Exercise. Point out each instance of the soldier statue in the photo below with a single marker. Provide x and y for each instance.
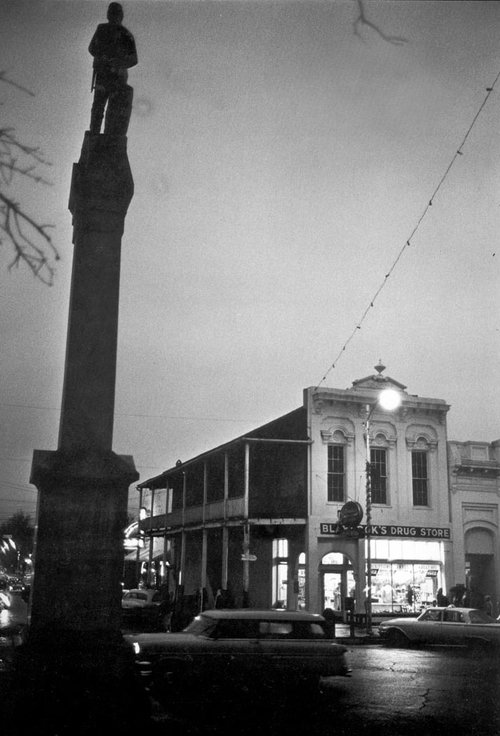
(114, 51)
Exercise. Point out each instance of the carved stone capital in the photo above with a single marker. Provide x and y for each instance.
(102, 185)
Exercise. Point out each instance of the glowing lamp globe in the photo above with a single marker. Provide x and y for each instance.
(389, 399)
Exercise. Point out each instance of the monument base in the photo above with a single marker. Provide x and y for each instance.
(79, 552)
(75, 674)
(75, 684)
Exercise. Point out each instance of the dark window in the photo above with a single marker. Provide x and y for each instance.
(420, 478)
(215, 478)
(378, 475)
(235, 629)
(194, 485)
(336, 473)
(176, 483)
(236, 472)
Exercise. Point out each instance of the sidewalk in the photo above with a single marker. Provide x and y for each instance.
(343, 635)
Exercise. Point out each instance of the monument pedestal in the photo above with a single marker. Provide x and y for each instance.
(82, 512)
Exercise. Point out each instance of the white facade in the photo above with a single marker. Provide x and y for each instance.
(411, 538)
(474, 470)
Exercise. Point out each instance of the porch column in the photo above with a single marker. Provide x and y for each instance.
(246, 528)
(150, 558)
(225, 530)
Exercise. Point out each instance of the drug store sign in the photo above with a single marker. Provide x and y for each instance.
(328, 529)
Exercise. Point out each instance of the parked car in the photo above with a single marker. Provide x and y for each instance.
(236, 650)
(5, 599)
(439, 625)
(141, 607)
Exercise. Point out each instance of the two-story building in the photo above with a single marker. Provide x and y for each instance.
(474, 472)
(264, 515)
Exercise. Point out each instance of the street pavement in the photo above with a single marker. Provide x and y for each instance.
(14, 619)
(392, 692)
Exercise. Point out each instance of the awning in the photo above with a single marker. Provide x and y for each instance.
(144, 555)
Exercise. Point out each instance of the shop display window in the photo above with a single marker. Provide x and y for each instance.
(402, 578)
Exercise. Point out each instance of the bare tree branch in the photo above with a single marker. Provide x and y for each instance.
(362, 20)
(5, 79)
(23, 234)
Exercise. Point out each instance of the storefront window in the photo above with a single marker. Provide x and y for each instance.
(405, 575)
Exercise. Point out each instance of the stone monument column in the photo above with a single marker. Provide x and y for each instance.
(75, 666)
(75, 674)
(83, 486)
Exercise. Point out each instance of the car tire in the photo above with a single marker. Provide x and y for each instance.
(396, 638)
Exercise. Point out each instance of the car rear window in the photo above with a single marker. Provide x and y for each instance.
(291, 630)
(133, 596)
(480, 617)
(454, 616)
(236, 629)
(431, 615)
(275, 629)
(233, 628)
(308, 630)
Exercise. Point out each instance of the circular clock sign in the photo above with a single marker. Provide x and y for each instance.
(350, 514)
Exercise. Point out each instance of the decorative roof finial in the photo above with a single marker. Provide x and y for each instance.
(380, 367)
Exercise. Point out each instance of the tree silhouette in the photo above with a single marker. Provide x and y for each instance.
(27, 238)
(362, 20)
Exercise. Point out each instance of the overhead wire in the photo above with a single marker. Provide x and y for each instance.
(141, 416)
(407, 242)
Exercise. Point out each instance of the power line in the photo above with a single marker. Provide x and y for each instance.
(407, 243)
(141, 416)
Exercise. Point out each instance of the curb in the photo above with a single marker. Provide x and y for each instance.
(359, 640)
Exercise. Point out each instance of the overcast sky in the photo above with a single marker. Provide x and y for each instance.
(280, 164)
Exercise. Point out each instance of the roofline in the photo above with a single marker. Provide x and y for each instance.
(360, 395)
(155, 482)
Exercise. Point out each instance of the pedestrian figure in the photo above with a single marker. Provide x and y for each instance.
(441, 599)
(114, 51)
(459, 597)
(166, 607)
(329, 616)
(409, 596)
(488, 605)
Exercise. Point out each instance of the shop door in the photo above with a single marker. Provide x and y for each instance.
(332, 591)
(480, 574)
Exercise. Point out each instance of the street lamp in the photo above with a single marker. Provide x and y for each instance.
(388, 399)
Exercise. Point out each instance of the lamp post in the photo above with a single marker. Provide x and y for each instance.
(388, 399)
